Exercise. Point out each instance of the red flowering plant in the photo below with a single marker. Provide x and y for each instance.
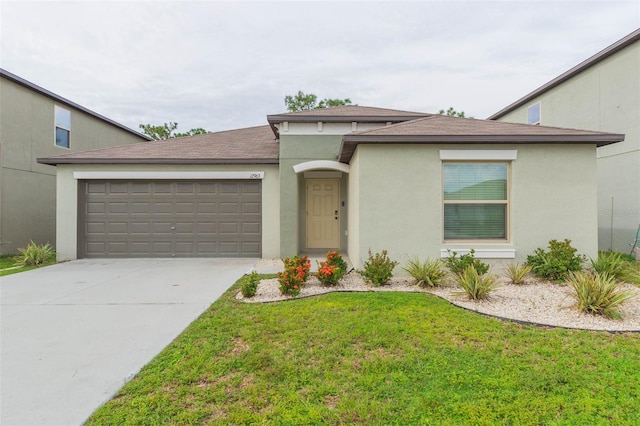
(331, 270)
(294, 276)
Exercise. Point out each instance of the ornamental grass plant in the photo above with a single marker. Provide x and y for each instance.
(598, 294)
(429, 273)
(517, 272)
(35, 255)
(616, 265)
(475, 285)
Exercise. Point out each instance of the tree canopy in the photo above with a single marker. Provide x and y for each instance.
(168, 131)
(451, 112)
(307, 101)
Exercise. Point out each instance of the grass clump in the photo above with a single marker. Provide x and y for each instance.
(616, 265)
(378, 269)
(475, 285)
(597, 294)
(250, 284)
(458, 265)
(556, 263)
(517, 272)
(35, 255)
(428, 273)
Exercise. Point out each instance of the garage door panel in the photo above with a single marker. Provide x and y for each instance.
(117, 228)
(168, 219)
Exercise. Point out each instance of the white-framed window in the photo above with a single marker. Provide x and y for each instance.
(533, 114)
(476, 200)
(62, 127)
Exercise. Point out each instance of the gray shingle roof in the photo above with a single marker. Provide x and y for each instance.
(253, 145)
(453, 130)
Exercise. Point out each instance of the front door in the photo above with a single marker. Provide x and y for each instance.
(323, 208)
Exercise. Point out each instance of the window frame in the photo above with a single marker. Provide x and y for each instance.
(539, 106)
(506, 203)
(57, 126)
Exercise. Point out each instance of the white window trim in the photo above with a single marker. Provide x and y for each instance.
(157, 175)
(481, 253)
(479, 154)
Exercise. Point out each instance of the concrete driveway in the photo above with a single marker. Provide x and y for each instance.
(74, 333)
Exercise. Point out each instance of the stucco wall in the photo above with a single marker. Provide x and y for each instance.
(296, 149)
(27, 197)
(399, 199)
(67, 204)
(604, 97)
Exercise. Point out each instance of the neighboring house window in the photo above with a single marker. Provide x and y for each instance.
(63, 127)
(534, 114)
(476, 200)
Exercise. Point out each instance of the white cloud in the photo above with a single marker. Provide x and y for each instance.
(222, 65)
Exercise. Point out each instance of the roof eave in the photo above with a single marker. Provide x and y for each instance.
(53, 161)
(279, 118)
(349, 142)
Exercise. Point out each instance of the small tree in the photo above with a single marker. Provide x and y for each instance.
(168, 131)
(451, 112)
(307, 101)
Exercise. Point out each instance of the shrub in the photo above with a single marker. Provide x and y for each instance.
(378, 269)
(516, 272)
(427, 274)
(458, 265)
(294, 276)
(250, 284)
(597, 293)
(616, 265)
(34, 255)
(557, 262)
(331, 270)
(475, 285)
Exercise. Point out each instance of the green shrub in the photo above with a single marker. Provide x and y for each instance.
(427, 274)
(597, 294)
(331, 270)
(34, 255)
(458, 265)
(557, 262)
(516, 272)
(294, 276)
(378, 269)
(616, 265)
(475, 285)
(250, 284)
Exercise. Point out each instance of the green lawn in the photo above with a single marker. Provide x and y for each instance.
(9, 261)
(379, 358)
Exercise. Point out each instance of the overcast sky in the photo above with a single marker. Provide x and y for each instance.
(224, 65)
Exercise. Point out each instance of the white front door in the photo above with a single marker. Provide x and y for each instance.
(323, 208)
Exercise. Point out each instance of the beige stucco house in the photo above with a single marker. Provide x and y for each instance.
(37, 123)
(601, 93)
(351, 178)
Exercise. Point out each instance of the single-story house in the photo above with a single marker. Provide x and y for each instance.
(352, 178)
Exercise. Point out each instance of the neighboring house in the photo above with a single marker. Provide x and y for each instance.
(602, 93)
(37, 123)
(352, 178)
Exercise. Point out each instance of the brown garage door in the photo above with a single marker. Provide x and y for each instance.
(170, 218)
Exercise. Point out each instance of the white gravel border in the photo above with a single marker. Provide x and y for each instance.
(536, 302)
